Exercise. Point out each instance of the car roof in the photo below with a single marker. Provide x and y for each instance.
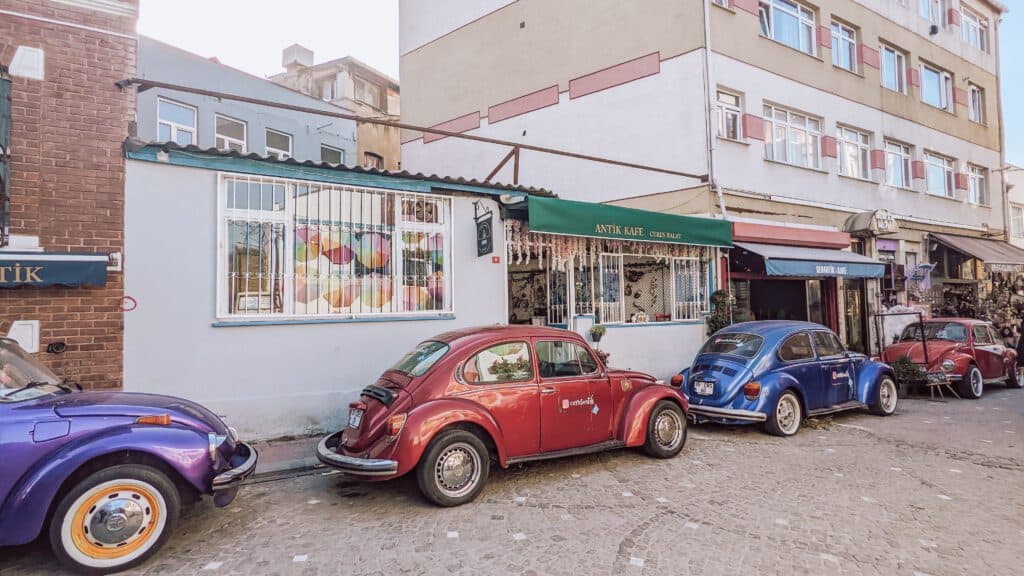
(957, 320)
(773, 328)
(502, 331)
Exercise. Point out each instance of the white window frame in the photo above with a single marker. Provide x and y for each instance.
(359, 97)
(977, 185)
(332, 149)
(976, 103)
(287, 218)
(790, 126)
(844, 41)
(281, 154)
(694, 305)
(853, 140)
(725, 110)
(948, 166)
(900, 60)
(897, 153)
(973, 28)
(1017, 220)
(176, 127)
(227, 139)
(806, 23)
(722, 3)
(945, 87)
(933, 11)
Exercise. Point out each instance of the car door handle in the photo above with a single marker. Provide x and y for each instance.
(547, 390)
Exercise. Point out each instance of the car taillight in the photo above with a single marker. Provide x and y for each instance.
(156, 420)
(395, 424)
(677, 380)
(752, 389)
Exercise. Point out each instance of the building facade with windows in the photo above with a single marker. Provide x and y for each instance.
(874, 119)
(165, 115)
(353, 85)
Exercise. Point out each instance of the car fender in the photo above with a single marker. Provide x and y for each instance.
(426, 420)
(773, 384)
(633, 428)
(962, 360)
(26, 507)
(869, 375)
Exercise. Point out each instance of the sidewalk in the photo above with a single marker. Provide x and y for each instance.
(285, 455)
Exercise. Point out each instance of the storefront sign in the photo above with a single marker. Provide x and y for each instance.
(1005, 268)
(50, 269)
(873, 223)
(775, 267)
(572, 218)
(484, 229)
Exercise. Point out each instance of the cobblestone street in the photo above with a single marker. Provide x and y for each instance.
(936, 489)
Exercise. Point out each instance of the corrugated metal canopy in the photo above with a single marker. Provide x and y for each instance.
(988, 251)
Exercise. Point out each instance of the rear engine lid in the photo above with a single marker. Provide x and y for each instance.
(377, 402)
(716, 378)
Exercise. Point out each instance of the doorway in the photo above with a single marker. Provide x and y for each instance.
(856, 315)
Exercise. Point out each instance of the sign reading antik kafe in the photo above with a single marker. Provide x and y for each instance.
(51, 269)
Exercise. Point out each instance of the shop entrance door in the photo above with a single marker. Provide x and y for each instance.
(856, 317)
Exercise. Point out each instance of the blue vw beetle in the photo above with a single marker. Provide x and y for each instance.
(778, 372)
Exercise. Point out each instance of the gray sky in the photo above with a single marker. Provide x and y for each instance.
(250, 34)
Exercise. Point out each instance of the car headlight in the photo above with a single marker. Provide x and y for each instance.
(948, 365)
(215, 441)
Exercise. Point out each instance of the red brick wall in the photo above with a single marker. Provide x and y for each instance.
(67, 174)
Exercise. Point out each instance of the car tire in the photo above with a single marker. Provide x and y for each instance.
(785, 417)
(666, 430)
(114, 519)
(973, 384)
(887, 396)
(454, 468)
(1014, 378)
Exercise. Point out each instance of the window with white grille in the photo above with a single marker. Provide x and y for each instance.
(854, 152)
(897, 164)
(977, 189)
(689, 289)
(792, 137)
(938, 172)
(308, 249)
(611, 307)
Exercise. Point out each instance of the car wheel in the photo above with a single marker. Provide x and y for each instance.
(454, 468)
(973, 383)
(114, 519)
(666, 430)
(785, 419)
(888, 397)
(1014, 377)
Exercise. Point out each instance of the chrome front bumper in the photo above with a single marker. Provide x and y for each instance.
(368, 467)
(726, 413)
(233, 477)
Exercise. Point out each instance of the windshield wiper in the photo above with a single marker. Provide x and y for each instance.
(36, 383)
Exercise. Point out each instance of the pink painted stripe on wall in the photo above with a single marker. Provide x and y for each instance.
(824, 37)
(753, 127)
(878, 159)
(953, 17)
(460, 124)
(829, 147)
(960, 96)
(523, 104)
(746, 5)
(868, 55)
(917, 169)
(641, 67)
(961, 181)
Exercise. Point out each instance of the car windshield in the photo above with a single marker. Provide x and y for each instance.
(421, 358)
(951, 331)
(18, 370)
(734, 343)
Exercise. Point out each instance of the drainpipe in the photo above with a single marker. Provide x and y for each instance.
(1002, 134)
(709, 110)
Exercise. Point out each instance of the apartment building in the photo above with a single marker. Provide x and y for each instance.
(825, 129)
(353, 85)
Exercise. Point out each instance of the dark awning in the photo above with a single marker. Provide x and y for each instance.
(52, 269)
(571, 218)
(997, 255)
(815, 262)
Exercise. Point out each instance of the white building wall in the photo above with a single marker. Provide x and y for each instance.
(656, 121)
(268, 381)
(422, 22)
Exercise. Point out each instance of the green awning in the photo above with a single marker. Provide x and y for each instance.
(571, 218)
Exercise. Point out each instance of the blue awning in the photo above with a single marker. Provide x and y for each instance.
(52, 269)
(814, 262)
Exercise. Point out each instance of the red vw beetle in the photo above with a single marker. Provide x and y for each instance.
(504, 394)
(963, 351)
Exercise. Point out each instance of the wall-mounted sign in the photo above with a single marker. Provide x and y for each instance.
(1006, 268)
(484, 229)
(52, 269)
(872, 223)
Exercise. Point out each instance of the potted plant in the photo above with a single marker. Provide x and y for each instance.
(596, 332)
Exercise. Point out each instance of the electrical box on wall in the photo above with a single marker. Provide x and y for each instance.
(26, 334)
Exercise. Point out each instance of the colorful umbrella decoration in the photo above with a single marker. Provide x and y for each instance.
(374, 250)
(307, 283)
(337, 247)
(307, 244)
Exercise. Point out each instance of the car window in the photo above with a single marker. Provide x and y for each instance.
(996, 337)
(505, 362)
(827, 344)
(558, 359)
(796, 347)
(981, 335)
(951, 331)
(734, 343)
(421, 358)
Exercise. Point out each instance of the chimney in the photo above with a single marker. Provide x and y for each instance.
(296, 57)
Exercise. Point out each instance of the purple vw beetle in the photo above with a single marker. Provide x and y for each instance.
(104, 473)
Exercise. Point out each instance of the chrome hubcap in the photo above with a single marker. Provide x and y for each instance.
(976, 382)
(668, 429)
(787, 414)
(117, 521)
(458, 470)
(887, 395)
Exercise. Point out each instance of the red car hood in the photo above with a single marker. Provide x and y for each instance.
(915, 350)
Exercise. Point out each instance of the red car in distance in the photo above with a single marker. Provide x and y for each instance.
(499, 394)
(965, 352)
